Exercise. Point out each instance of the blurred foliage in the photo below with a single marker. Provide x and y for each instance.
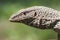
(19, 31)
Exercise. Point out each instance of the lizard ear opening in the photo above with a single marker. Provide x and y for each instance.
(24, 13)
(35, 14)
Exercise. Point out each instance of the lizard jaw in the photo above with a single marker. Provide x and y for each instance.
(11, 20)
(15, 20)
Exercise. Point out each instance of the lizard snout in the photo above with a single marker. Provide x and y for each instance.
(11, 20)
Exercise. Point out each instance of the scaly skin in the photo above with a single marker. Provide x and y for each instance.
(38, 16)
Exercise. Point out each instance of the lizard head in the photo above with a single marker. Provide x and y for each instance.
(23, 15)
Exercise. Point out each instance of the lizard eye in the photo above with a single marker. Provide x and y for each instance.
(24, 13)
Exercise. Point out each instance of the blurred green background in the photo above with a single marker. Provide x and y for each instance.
(19, 31)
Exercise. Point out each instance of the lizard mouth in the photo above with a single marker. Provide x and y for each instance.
(13, 20)
(16, 21)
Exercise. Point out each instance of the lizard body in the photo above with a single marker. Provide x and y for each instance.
(38, 16)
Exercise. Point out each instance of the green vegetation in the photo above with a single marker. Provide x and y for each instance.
(19, 31)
